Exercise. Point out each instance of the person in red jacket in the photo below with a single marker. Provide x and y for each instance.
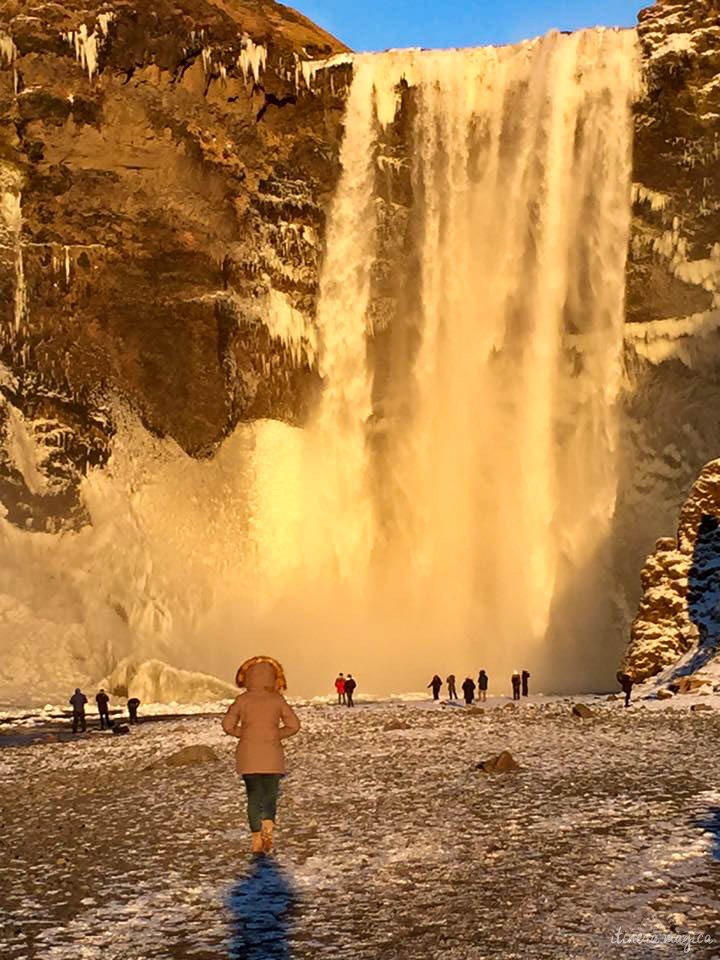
(340, 687)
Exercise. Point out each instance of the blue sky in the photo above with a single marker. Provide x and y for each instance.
(378, 24)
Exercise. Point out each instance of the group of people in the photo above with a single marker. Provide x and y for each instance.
(519, 682)
(345, 687)
(78, 702)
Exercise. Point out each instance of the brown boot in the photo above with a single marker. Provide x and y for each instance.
(267, 835)
(256, 843)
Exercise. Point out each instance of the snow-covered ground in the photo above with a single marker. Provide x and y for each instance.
(391, 843)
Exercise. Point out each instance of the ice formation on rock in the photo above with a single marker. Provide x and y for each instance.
(88, 45)
(155, 682)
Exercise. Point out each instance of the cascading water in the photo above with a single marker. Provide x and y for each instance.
(450, 504)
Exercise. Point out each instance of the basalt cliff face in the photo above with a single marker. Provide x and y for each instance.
(163, 177)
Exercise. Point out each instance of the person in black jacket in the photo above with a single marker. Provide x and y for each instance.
(436, 684)
(452, 690)
(515, 680)
(132, 705)
(102, 700)
(482, 685)
(77, 702)
(468, 689)
(525, 676)
(350, 687)
(626, 683)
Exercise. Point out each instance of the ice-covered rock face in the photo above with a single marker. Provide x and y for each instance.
(162, 190)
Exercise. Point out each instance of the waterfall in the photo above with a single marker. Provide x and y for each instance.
(489, 506)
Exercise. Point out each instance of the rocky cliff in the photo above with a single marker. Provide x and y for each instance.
(670, 412)
(678, 623)
(163, 177)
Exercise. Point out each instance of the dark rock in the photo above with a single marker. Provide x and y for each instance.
(502, 763)
(699, 707)
(120, 729)
(163, 197)
(582, 711)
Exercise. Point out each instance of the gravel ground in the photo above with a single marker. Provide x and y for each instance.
(391, 843)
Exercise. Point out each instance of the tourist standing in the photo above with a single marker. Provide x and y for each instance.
(482, 685)
(102, 700)
(77, 702)
(350, 687)
(626, 683)
(452, 692)
(436, 684)
(261, 719)
(468, 689)
(525, 676)
(340, 688)
(515, 680)
(133, 704)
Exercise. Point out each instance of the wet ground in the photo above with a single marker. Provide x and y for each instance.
(606, 843)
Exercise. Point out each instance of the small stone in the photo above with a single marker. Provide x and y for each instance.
(697, 707)
(664, 694)
(502, 763)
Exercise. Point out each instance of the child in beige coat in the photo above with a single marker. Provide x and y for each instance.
(261, 719)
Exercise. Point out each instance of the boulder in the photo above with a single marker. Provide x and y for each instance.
(192, 755)
(582, 711)
(698, 707)
(502, 763)
(664, 694)
(475, 712)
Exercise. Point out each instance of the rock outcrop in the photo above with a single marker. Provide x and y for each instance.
(679, 614)
(163, 177)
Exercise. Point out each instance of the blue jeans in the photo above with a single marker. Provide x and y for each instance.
(262, 795)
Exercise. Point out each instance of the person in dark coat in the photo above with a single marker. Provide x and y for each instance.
(515, 680)
(133, 705)
(482, 685)
(452, 690)
(468, 689)
(77, 702)
(436, 684)
(350, 687)
(102, 700)
(626, 684)
(525, 676)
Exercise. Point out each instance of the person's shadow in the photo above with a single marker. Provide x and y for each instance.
(709, 822)
(704, 594)
(262, 903)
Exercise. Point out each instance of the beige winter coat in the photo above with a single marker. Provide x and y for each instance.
(261, 719)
